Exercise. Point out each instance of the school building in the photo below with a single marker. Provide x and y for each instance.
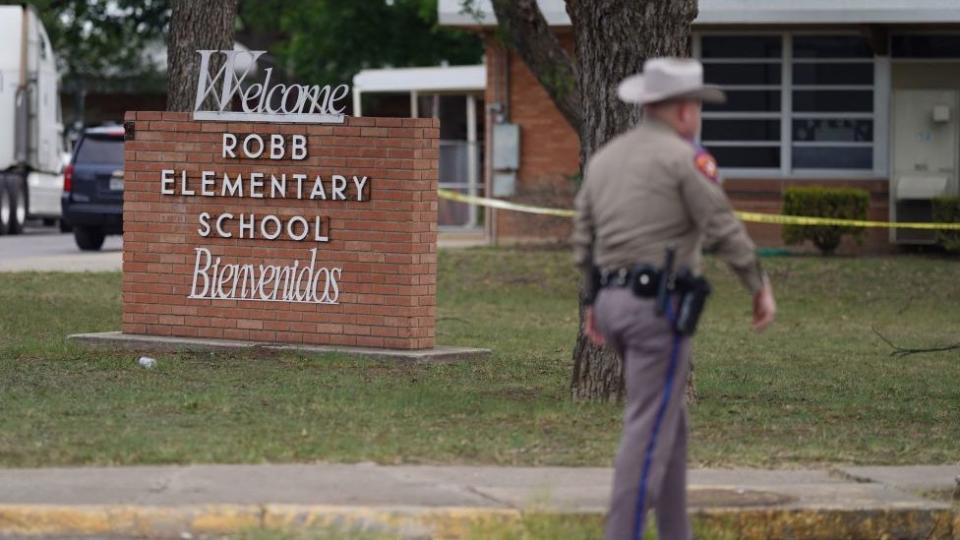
(861, 93)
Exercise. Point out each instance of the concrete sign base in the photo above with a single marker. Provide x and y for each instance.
(153, 344)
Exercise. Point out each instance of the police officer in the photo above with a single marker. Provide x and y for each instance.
(649, 192)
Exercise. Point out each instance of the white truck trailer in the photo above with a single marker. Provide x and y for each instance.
(31, 131)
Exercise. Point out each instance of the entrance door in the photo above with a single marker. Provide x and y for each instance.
(461, 129)
(925, 149)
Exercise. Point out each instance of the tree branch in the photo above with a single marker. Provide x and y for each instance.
(530, 35)
(901, 352)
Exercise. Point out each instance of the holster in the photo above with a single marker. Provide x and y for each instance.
(692, 292)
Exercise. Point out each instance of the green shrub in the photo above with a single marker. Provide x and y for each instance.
(947, 210)
(837, 203)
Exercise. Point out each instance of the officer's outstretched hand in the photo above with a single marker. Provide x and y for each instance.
(590, 327)
(764, 307)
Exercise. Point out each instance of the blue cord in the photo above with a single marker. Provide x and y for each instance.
(640, 515)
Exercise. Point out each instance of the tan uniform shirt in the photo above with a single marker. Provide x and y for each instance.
(643, 191)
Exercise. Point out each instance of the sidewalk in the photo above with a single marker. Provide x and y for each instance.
(440, 502)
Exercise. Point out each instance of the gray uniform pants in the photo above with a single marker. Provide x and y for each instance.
(645, 341)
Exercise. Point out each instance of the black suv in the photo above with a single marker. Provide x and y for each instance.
(93, 187)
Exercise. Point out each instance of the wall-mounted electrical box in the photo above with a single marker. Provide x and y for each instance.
(506, 159)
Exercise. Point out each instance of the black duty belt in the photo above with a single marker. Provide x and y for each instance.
(641, 279)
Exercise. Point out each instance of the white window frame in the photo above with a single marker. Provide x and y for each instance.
(786, 115)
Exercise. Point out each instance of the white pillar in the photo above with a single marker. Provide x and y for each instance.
(472, 155)
(414, 104)
(356, 102)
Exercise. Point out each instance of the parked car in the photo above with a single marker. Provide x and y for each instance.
(93, 187)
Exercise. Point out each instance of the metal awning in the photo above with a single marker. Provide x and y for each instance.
(421, 80)
(823, 12)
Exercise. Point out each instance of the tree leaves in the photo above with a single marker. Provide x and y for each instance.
(329, 41)
(96, 41)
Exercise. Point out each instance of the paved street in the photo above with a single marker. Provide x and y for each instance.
(45, 249)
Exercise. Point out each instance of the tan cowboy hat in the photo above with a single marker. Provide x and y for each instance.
(669, 78)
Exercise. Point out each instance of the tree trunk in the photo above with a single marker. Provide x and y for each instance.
(195, 25)
(612, 39)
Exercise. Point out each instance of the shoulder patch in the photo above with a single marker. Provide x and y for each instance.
(707, 165)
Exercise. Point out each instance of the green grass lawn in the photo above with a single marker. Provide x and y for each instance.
(818, 387)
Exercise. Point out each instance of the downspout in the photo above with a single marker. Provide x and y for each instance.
(501, 115)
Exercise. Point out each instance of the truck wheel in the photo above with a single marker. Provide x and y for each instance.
(18, 200)
(88, 238)
(6, 208)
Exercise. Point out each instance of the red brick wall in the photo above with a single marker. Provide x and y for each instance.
(384, 245)
(549, 150)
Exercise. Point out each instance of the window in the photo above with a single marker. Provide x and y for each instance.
(795, 103)
(832, 126)
(745, 131)
(95, 149)
(930, 46)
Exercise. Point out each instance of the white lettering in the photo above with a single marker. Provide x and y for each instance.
(286, 96)
(206, 181)
(268, 106)
(299, 178)
(339, 93)
(264, 280)
(249, 94)
(266, 84)
(246, 227)
(248, 276)
(235, 189)
(360, 183)
(307, 272)
(298, 148)
(229, 144)
(318, 231)
(246, 146)
(276, 146)
(220, 220)
(332, 282)
(318, 192)
(226, 275)
(306, 227)
(261, 101)
(183, 185)
(212, 279)
(204, 229)
(277, 227)
(278, 186)
(339, 186)
(198, 272)
(231, 82)
(256, 185)
(166, 178)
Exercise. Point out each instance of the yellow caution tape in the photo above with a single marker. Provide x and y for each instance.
(504, 205)
(753, 217)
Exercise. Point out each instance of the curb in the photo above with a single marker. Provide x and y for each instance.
(451, 522)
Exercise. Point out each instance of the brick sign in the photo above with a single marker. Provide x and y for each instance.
(281, 232)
